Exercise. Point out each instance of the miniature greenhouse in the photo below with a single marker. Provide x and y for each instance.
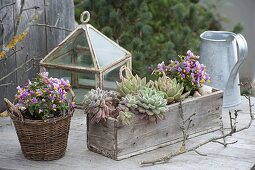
(88, 59)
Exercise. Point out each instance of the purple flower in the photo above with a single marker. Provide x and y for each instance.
(44, 74)
(207, 77)
(39, 92)
(52, 98)
(150, 69)
(34, 100)
(202, 67)
(187, 69)
(19, 88)
(190, 54)
(162, 67)
(53, 107)
(179, 69)
(183, 76)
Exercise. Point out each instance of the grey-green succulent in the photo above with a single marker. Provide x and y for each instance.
(126, 107)
(130, 84)
(99, 104)
(171, 88)
(151, 102)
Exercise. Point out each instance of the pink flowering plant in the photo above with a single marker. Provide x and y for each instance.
(187, 70)
(44, 98)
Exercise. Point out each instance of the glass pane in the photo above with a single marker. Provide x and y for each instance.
(106, 51)
(81, 83)
(75, 52)
(110, 79)
(87, 80)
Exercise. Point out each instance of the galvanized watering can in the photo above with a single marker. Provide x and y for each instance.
(223, 53)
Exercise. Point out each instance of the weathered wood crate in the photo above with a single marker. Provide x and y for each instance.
(119, 142)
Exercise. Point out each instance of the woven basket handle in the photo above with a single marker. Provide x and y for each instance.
(11, 109)
(127, 72)
(72, 93)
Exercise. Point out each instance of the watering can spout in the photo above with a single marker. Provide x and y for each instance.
(223, 53)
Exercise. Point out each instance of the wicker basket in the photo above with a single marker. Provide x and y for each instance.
(41, 140)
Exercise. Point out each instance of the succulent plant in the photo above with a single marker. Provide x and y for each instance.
(151, 103)
(125, 117)
(130, 84)
(99, 104)
(171, 88)
(126, 107)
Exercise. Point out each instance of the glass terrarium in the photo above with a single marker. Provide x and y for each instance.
(88, 59)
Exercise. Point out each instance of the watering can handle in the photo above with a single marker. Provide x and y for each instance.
(243, 50)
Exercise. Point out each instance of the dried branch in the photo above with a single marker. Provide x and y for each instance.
(199, 153)
(18, 38)
(7, 5)
(166, 158)
(7, 84)
(58, 19)
(34, 7)
(189, 118)
(18, 17)
(184, 127)
(18, 68)
(2, 19)
(52, 26)
(225, 143)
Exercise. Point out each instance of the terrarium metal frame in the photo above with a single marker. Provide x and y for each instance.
(98, 70)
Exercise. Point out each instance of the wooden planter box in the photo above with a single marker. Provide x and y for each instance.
(119, 142)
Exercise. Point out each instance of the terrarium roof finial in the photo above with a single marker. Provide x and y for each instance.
(82, 17)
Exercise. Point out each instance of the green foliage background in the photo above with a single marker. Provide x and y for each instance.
(152, 30)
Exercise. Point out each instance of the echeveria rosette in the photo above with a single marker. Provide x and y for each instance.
(44, 97)
(187, 70)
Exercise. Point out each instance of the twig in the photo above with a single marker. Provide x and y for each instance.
(222, 132)
(199, 153)
(226, 143)
(230, 120)
(189, 118)
(34, 7)
(18, 17)
(56, 23)
(20, 67)
(52, 26)
(171, 155)
(14, 52)
(184, 127)
(2, 19)
(7, 5)
(250, 105)
(7, 84)
(184, 132)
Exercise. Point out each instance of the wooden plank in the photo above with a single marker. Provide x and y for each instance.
(7, 88)
(61, 14)
(101, 137)
(142, 136)
(35, 42)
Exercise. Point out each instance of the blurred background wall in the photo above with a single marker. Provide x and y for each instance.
(243, 12)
